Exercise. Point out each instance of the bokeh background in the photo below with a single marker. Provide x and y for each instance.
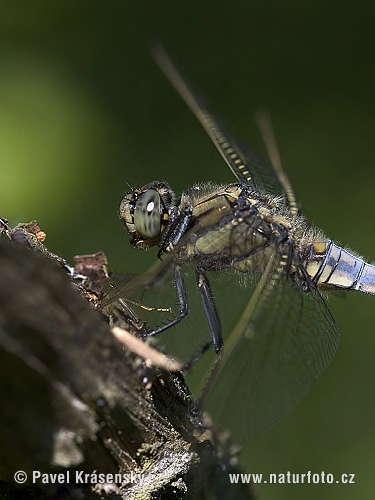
(84, 110)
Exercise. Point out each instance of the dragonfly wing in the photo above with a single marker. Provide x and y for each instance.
(245, 165)
(279, 352)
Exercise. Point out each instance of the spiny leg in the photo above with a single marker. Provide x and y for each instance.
(182, 301)
(197, 356)
(210, 309)
(216, 337)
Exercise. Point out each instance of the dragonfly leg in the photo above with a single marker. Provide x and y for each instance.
(210, 310)
(182, 300)
(216, 337)
(197, 356)
(176, 230)
(197, 409)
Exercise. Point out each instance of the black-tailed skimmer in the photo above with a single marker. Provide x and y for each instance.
(285, 336)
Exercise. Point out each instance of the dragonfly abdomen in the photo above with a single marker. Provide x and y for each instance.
(331, 266)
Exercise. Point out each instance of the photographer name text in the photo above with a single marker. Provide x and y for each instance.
(82, 477)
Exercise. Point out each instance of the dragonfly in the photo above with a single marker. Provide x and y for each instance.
(285, 336)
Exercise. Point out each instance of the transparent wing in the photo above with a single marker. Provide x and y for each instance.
(152, 298)
(244, 163)
(123, 287)
(283, 342)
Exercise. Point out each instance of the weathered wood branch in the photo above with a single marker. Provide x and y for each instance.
(75, 399)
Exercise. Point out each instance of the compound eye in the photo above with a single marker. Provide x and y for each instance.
(147, 215)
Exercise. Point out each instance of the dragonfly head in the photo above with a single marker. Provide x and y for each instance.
(145, 213)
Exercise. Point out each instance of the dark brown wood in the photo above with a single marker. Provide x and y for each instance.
(75, 399)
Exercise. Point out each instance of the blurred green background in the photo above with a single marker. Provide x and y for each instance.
(84, 110)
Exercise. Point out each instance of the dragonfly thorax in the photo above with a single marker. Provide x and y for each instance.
(228, 226)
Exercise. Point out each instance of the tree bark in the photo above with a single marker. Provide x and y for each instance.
(76, 399)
